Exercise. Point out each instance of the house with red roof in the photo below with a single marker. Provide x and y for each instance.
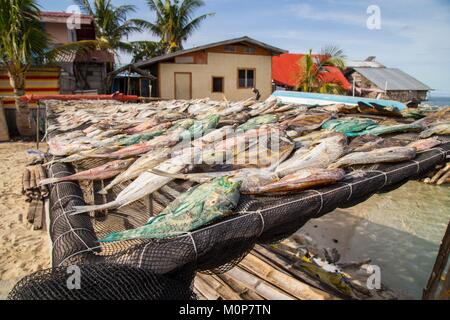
(286, 70)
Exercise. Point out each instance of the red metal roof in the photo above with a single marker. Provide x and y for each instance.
(286, 68)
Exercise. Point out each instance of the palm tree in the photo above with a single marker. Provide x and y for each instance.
(174, 21)
(144, 50)
(111, 24)
(314, 67)
(23, 42)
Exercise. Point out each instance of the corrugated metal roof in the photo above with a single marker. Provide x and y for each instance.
(363, 64)
(146, 63)
(395, 79)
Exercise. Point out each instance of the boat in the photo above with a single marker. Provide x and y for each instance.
(319, 99)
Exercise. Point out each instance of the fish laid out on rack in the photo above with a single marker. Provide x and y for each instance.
(267, 148)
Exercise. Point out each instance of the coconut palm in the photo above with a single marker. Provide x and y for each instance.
(112, 27)
(314, 67)
(23, 42)
(144, 50)
(174, 21)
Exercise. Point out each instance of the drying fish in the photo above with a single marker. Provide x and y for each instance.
(385, 155)
(146, 183)
(300, 181)
(368, 143)
(200, 127)
(321, 156)
(440, 129)
(382, 130)
(214, 136)
(138, 138)
(143, 126)
(198, 206)
(146, 162)
(308, 122)
(349, 127)
(257, 122)
(107, 171)
(424, 144)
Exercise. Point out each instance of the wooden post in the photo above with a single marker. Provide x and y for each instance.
(37, 126)
(438, 287)
(4, 134)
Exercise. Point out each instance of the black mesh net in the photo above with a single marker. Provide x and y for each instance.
(101, 282)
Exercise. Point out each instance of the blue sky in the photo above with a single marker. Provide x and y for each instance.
(414, 34)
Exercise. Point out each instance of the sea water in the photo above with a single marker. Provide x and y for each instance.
(438, 100)
(401, 232)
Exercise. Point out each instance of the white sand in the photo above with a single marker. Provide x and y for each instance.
(22, 250)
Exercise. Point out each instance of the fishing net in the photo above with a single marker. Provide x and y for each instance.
(100, 282)
(214, 248)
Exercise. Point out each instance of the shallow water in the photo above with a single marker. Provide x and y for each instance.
(400, 232)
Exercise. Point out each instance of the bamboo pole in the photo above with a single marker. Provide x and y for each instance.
(290, 268)
(205, 289)
(258, 285)
(244, 292)
(435, 289)
(300, 290)
(221, 288)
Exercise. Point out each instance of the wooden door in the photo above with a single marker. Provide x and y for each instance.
(183, 85)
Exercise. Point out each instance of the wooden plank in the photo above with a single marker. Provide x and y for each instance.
(31, 211)
(4, 133)
(39, 216)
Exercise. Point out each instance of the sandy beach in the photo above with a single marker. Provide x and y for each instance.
(22, 250)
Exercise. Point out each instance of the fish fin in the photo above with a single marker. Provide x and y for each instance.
(44, 182)
(85, 209)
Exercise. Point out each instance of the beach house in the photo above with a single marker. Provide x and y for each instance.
(374, 80)
(228, 69)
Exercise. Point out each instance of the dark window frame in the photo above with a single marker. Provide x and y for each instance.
(246, 86)
(223, 84)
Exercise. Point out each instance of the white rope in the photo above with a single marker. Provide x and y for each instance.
(418, 165)
(75, 229)
(263, 224)
(77, 253)
(351, 190)
(142, 254)
(194, 244)
(382, 173)
(321, 200)
(69, 196)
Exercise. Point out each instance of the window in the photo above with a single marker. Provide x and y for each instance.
(250, 50)
(217, 84)
(230, 49)
(246, 78)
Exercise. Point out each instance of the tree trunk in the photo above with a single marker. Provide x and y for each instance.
(23, 121)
